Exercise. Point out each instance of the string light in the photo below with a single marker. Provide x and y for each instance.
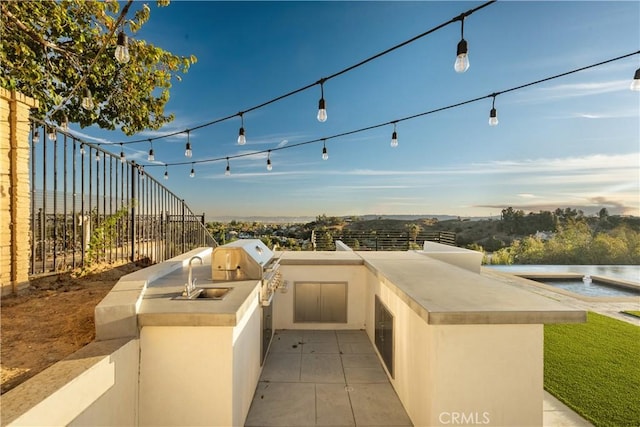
(97, 156)
(493, 114)
(336, 74)
(36, 135)
(142, 174)
(322, 108)
(193, 171)
(187, 151)
(269, 166)
(635, 84)
(151, 156)
(421, 114)
(123, 159)
(227, 171)
(122, 49)
(241, 138)
(51, 134)
(166, 172)
(462, 59)
(87, 100)
(82, 149)
(394, 137)
(325, 154)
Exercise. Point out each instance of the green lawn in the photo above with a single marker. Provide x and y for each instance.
(594, 368)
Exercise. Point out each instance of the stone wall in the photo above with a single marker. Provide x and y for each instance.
(14, 190)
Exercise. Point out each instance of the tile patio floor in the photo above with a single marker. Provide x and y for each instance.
(334, 378)
(324, 378)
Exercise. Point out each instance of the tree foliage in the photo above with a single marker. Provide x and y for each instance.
(49, 48)
(575, 242)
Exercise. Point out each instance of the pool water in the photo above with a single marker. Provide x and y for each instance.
(593, 289)
(629, 273)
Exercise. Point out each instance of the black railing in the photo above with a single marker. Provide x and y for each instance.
(88, 205)
(381, 240)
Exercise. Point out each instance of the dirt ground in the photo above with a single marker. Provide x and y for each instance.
(50, 320)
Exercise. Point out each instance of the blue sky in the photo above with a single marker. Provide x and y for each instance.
(573, 141)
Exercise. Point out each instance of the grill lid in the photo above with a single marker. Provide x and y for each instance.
(243, 259)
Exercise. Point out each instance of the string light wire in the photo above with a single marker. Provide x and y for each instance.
(323, 80)
(414, 116)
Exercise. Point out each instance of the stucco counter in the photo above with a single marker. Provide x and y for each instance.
(442, 293)
(160, 308)
(214, 345)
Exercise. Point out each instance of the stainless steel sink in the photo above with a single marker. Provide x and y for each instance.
(214, 293)
(206, 294)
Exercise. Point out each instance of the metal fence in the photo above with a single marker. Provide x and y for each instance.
(90, 206)
(381, 240)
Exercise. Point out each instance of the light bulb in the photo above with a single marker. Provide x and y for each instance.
(322, 111)
(325, 154)
(394, 139)
(635, 84)
(462, 58)
(269, 165)
(142, 172)
(51, 134)
(151, 157)
(241, 138)
(122, 50)
(227, 171)
(82, 149)
(97, 156)
(36, 136)
(123, 159)
(192, 173)
(187, 151)
(65, 124)
(166, 175)
(493, 117)
(87, 100)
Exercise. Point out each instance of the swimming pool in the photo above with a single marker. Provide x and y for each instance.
(607, 281)
(594, 288)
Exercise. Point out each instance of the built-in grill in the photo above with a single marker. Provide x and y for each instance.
(250, 259)
(247, 259)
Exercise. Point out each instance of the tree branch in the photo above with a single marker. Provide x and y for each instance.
(32, 34)
(125, 9)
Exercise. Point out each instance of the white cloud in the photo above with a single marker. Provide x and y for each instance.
(368, 187)
(589, 88)
(567, 165)
(610, 114)
(89, 138)
(571, 90)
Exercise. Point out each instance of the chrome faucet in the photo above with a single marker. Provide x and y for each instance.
(190, 286)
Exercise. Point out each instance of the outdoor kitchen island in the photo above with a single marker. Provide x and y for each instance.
(200, 358)
(456, 345)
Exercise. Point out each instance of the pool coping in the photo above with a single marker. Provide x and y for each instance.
(531, 279)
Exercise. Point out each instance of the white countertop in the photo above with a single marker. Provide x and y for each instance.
(439, 292)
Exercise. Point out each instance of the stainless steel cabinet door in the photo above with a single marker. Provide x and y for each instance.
(384, 334)
(320, 302)
(307, 302)
(333, 302)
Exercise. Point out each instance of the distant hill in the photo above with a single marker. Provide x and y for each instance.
(368, 217)
(439, 217)
(263, 219)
